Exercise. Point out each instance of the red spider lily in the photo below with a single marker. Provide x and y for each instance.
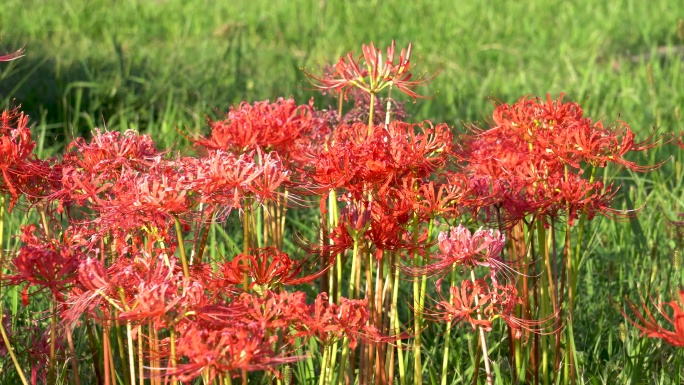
(495, 301)
(12, 56)
(467, 299)
(449, 199)
(146, 201)
(47, 263)
(329, 322)
(338, 241)
(225, 351)
(142, 288)
(360, 112)
(503, 300)
(357, 218)
(108, 153)
(535, 153)
(273, 175)
(269, 268)
(651, 328)
(240, 335)
(16, 152)
(112, 175)
(320, 322)
(373, 74)
(460, 247)
(386, 233)
(162, 296)
(356, 161)
(223, 180)
(278, 126)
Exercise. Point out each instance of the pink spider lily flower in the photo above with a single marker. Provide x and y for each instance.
(461, 247)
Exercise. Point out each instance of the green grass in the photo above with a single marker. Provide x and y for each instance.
(158, 66)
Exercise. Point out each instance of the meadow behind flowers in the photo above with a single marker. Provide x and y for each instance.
(162, 67)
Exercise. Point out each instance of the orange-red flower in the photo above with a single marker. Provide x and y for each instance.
(650, 327)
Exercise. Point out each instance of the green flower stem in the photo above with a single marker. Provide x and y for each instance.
(122, 352)
(74, 356)
(447, 334)
(343, 361)
(578, 245)
(94, 351)
(324, 366)
(141, 359)
(417, 311)
(350, 294)
(388, 108)
(371, 111)
(569, 366)
(181, 247)
(547, 298)
(485, 354)
(5, 338)
(395, 325)
(570, 362)
(131, 359)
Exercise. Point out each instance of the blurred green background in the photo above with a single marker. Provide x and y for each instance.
(156, 65)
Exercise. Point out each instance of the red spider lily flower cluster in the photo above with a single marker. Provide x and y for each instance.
(650, 327)
(354, 161)
(46, 263)
(371, 73)
(534, 157)
(282, 126)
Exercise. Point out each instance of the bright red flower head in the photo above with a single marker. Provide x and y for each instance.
(650, 327)
(279, 126)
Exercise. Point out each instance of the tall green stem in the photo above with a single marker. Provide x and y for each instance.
(181, 247)
(395, 325)
(547, 297)
(371, 111)
(571, 279)
(350, 294)
(570, 362)
(417, 312)
(5, 338)
(324, 365)
(483, 339)
(447, 334)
